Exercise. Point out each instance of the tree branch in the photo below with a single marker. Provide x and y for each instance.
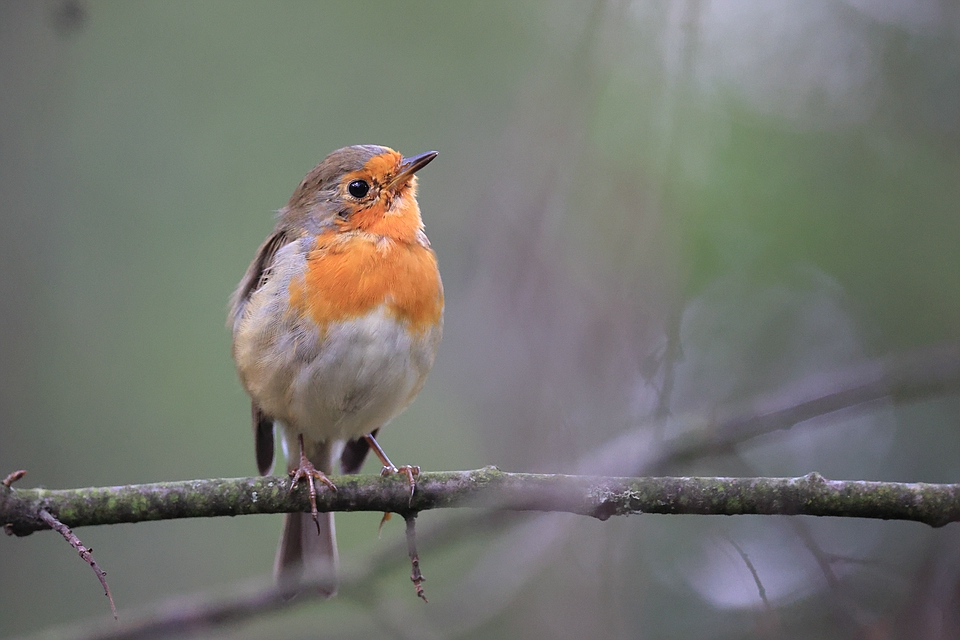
(913, 375)
(599, 497)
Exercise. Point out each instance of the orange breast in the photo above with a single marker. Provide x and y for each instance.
(351, 275)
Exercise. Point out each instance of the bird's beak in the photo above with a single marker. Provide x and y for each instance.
(410, 166)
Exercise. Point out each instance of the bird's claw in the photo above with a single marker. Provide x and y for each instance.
(412, 472)
(311, 473)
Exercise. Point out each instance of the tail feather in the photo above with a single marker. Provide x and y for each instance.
(304, 554)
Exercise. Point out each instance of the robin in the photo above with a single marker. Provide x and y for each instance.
(335, 325)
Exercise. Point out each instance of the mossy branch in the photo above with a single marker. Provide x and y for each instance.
(599, 497)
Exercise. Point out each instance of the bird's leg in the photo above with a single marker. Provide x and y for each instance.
(311, 473)
(410, 471)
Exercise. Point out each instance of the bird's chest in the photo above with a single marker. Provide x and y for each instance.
(349, 279)
(342, 338)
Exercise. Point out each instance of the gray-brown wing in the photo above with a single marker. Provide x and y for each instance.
(262, 439)
(255, 277)
(257, 274)
(354, 453)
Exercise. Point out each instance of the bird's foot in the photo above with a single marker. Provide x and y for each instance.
(311, 473)
(412, 472)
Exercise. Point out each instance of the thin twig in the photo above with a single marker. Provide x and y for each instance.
(85, 553)
(13, 477)
(770, 621)
(415, 576)
(761, 591)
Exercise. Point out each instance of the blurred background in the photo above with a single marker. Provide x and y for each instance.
(648, 215)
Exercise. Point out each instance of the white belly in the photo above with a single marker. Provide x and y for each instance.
(364, 373)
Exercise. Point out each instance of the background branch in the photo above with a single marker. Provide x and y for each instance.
(599, 497)
(914, 375)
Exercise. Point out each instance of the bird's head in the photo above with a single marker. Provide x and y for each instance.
(360, 188)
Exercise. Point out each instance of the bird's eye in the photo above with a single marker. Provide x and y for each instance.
(358, 188)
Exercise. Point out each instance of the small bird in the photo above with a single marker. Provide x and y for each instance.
(336, 324)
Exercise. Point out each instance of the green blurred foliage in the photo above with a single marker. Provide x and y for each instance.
(725, 196)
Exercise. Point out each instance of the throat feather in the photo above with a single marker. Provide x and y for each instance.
(350, 278)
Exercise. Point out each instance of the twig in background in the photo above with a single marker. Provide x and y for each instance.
(770, 620)
(193, 614)
(206, 611)
(847, 610)
(753, 572)
(910, 376)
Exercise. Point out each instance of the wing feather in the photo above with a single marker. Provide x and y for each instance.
(256, 276)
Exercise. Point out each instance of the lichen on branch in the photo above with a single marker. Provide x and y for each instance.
(599, 497)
